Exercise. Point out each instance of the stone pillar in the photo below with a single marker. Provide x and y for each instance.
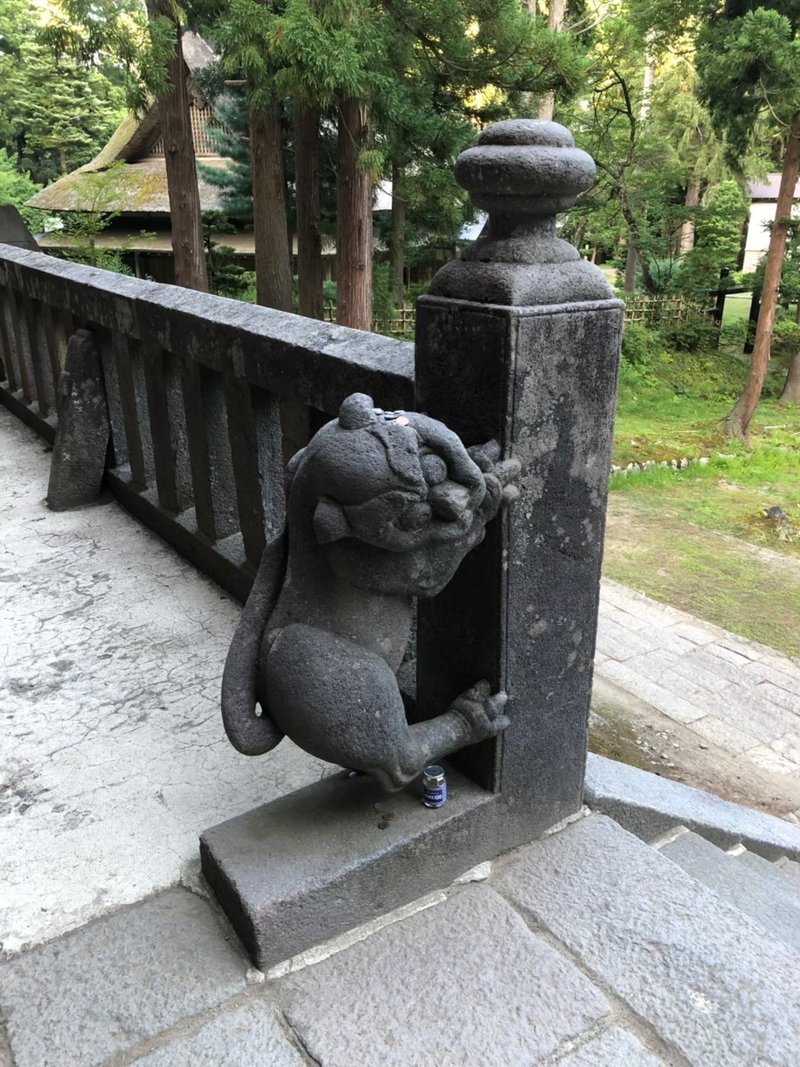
(519, 340)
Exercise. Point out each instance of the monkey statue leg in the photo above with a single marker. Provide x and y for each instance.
(341, 703)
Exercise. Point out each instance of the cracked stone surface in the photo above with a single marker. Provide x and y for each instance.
(112, 757)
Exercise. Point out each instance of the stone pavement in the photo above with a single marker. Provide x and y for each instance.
(735, 694)
(112, 756)
(588, 948)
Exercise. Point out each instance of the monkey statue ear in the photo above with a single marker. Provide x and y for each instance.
(330, 522)
(357, 412)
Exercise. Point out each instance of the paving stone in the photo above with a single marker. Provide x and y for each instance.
(614, 1048)
(742, 706)
(698, 635)
(638, 604)
(788, 747)
(780, 696)
(764, 895)
(723, 734)
(703, 664)
(246, 1035)
(787, 677)
(657, 696)
(117, 982)
(619, 643)
(769, 760)
(729, 655)
(648, 806)
(462, 984)
(703, 975)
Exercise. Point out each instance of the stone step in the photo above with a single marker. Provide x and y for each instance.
(704, 976)
(790, 868)
(775, 906)
(784, 881)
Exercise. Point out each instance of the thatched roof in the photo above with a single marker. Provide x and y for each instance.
(129, 174)
(128, 188)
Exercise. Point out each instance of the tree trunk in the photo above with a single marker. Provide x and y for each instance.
(354, 219)
(307, 192)
(631, 260)
(184, 199)
(556, 14)
(692, 199)
(273, 262)
(791, 388)
(737, 423)
(397, 235)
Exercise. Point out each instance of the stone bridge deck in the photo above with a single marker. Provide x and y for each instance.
(113, 757)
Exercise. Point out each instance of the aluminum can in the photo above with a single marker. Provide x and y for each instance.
(434, 786)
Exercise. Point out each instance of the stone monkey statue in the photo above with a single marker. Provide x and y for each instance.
(381, 508)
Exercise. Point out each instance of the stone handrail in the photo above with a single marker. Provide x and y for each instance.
(206, 396)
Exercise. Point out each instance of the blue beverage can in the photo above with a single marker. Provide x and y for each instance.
(434, 786)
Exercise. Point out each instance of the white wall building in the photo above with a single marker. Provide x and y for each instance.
(763, 200)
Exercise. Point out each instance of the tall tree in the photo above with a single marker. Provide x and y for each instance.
(172, 94)
(55, 115)
(749, 67)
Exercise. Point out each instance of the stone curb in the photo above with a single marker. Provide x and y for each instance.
(648, 806)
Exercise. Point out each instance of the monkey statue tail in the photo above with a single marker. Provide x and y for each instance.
(248, 732)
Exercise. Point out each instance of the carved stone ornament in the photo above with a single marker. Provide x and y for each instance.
(522, 172)
(381, 508)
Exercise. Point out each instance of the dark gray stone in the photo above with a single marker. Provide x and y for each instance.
(614, 1048)
(244, 1036)
(521, 611)
(319, 861)
(117, 982)
(773, 903)
(463, 983)
(649, 806)
(702, 974)
(13, 230)
(381, 508)
(522, 172)
(79, 453)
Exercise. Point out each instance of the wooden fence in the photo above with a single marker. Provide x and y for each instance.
(651, 310)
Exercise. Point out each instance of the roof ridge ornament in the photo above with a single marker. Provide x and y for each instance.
(523, 172)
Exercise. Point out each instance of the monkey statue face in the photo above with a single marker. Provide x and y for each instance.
(394, 499)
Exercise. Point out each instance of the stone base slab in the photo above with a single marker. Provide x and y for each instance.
(324, 859)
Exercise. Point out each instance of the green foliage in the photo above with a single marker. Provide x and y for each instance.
(382, 302)
(718, 234)
(16, 188)
(749, 66)
(55, 114)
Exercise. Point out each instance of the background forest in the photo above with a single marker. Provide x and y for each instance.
(319, 101)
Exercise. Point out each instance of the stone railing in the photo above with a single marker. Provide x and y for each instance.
(206, 396)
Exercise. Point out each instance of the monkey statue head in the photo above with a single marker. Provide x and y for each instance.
(392, 499)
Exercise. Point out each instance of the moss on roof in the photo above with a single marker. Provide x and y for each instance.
(127, 188)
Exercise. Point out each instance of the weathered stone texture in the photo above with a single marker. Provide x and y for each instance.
(614, 1048)
(247, 1036)
(703, 975)
(648, 806)
(463, 983)
(117, 982)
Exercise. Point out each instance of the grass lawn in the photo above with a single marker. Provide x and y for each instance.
(693, 537)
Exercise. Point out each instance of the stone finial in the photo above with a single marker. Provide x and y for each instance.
(522, 172)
